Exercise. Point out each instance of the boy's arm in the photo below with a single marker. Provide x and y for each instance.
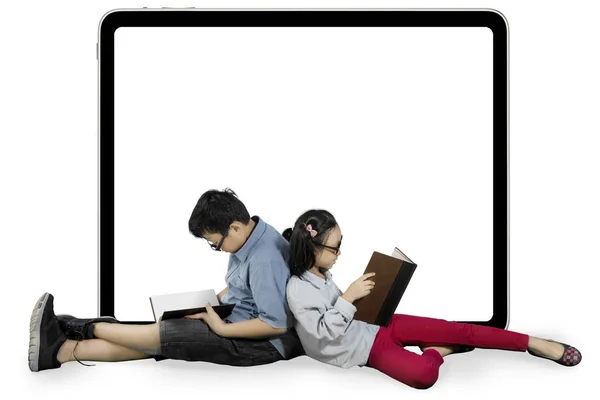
(252, 329)
(268, 278)
(221, 294)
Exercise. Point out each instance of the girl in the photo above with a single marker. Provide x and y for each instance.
(324, 318)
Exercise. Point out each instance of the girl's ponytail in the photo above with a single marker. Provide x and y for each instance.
(310, 230)
(287, 234)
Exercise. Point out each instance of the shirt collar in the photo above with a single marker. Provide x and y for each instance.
(317, 282)
(260, 228)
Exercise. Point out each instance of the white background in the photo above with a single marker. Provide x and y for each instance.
(390, 129)
(48, 156)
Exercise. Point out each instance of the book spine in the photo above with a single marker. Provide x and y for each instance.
(392, 300)
(387, 309)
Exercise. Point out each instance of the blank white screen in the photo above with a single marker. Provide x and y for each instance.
(390, 129)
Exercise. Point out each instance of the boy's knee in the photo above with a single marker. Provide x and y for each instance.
(154, 345)
(155, 328)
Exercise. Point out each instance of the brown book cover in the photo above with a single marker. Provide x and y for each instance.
(392, 276)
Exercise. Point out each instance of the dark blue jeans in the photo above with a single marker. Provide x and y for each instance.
(193, 340)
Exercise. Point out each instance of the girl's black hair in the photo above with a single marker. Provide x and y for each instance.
(215, 211)
(302, 245)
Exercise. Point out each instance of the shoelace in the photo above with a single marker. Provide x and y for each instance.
(76, 344)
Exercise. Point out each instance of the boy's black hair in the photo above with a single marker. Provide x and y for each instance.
(215, 211)
(302, 245)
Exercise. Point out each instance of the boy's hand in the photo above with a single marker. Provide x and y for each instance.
(359, 288)
(211, 318)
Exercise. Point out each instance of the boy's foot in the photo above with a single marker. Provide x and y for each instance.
(45, 335)
(81, 328)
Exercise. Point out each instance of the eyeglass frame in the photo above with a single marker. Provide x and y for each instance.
(217, 247)
(335, 249)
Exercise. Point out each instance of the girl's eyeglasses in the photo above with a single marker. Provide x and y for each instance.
(336, 250)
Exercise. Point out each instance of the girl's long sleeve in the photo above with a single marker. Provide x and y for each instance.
(325, 323)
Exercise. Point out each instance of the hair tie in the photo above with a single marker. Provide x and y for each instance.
(309, 228)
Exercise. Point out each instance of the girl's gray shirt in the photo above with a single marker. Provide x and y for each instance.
(324, 322)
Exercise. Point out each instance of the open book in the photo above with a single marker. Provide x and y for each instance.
(178, 305)
(392, 275)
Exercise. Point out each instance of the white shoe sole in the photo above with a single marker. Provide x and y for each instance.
(34, 332)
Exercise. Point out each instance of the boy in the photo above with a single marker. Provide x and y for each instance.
(256, 280)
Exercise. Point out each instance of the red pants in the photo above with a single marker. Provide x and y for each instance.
(421, 371)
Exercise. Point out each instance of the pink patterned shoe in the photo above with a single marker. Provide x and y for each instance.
(570, 358)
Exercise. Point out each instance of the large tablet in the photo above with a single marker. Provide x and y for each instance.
(396, 121)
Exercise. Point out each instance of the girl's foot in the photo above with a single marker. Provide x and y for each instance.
(560, 353)
(443, 350)
(447, 350)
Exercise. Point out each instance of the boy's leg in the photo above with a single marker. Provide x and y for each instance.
(193, 340)
(96, 350)
(49, 347)
(143, 338)
(182, 339)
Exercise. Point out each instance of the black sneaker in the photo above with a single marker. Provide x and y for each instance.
(81, 328)
(45, 335)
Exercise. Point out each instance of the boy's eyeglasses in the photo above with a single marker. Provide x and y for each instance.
(217, 246)
(336, 250)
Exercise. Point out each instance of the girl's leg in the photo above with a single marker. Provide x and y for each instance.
(417, 371)
(96, 350)
(428, 332)
(420, 331)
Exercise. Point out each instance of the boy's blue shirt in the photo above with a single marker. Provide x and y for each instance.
(256, 279)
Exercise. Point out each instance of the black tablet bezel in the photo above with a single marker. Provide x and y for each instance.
(491, 19)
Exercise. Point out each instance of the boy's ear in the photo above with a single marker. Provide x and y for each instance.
(236, 226)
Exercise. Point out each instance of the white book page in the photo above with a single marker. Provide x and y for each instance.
(181, 301)
(398, 254)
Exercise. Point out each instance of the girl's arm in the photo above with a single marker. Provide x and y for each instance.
(310, 310)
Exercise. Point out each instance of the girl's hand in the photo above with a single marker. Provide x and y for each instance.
(359, 288)
(211, 318)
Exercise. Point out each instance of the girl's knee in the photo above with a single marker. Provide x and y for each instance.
(425, 383)
(426, 377)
